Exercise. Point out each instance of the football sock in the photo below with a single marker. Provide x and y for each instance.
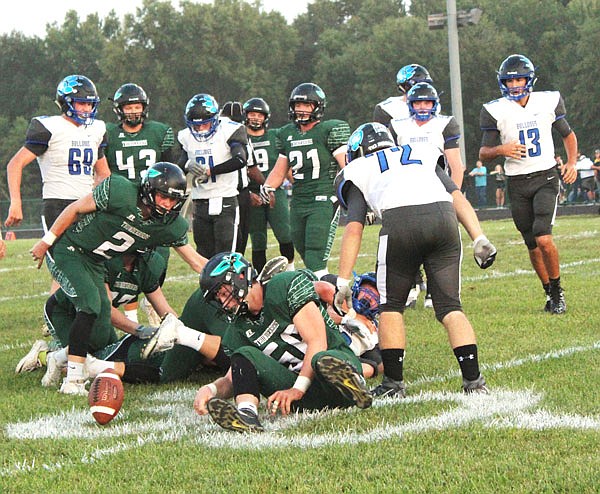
(247, 405)
(95, 366)
(190, 337)
(74, 371)
(467, 359)
(393, 361)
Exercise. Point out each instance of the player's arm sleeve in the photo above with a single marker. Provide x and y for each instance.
(167, 147)
(446, 180)
(451, 134)
(37, 137)
(338, 136)
(183, 158)
(238, 160)
(356, 206)
(103, 145)
(489, 127)
(381, 116)
(560, 124)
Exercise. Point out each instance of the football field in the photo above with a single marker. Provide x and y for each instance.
(537, 432)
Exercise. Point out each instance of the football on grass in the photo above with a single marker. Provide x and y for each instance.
(106, 396)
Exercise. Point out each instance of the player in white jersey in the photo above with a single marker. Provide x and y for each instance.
(401, 185)
(69, 149)
(214, 149)
(518, 127)
(444, 130)
(395, 107)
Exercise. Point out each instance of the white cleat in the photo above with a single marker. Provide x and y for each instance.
(75, 388)
(31, 361)
(53, 371)
(165, 337)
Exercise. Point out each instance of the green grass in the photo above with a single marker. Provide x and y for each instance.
(538, 432)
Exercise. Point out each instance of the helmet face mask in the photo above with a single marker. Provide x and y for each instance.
(307, 93)
(226, 280)
(365, 296)
(77, 89)
(409, 75)
(257, 105)
(200, 110)
(423, 91)
(516, 67)
(127, 94)
(367, 139)
(168, 180)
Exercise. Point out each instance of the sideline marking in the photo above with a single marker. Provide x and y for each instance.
(176, 420)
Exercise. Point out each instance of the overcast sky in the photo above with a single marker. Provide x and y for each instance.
(31, 16)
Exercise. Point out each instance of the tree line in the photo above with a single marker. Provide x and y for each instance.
(234, 50)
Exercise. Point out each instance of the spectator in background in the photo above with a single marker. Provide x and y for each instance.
(500, 181)
(586, 175)
(596, 168)
(480, 174)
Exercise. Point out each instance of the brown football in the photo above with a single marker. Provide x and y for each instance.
(106, 396)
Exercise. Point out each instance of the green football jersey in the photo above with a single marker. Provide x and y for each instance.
(145, 277)
(273, 330)
(130, 154)
(310, 156)
(203, 316)
(266, 152)
(117, 227)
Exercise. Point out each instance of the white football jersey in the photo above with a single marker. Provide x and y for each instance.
(432, 132)
(398, 176)
(212, 152)
(531, 125)
(395, 107)
(67, 166)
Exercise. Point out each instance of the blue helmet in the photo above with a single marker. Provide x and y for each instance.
(73, 89)
(423, 91)
(201, 109)
(409, 75)
(365, 296)
(514, 67)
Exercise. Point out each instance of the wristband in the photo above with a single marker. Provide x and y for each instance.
(49, 238)
(340, 282)
(302, 383)
(213, 388)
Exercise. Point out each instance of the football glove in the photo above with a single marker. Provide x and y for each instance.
(199, 170)
(144, 332)
(342, 294)
(484, 252)
(265, 193)
(370, 218)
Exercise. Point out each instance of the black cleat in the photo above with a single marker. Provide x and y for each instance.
(229, 417)
(345, 379)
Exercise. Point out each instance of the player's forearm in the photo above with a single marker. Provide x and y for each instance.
(350, 247)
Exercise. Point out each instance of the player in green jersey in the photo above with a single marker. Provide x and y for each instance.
(277, 212)
(314, 149)
(134, 144)
(283, 345)
(118, 217)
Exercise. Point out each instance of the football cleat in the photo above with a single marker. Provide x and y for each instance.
(76, 388)
(428, 303)
(31, 361)
(53, 371)
(477, 386)
(165, 337)
(389, 388)
(342, 376)
(229, 417)
(558, 304)
(271, 268)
